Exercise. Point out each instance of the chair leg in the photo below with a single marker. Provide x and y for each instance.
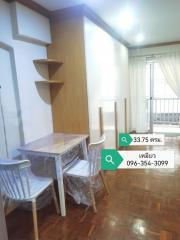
(93, 199)
(104, 182)
(6, 206)
(34, 211)
(55, 198)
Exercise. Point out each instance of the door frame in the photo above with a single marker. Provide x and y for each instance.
(15, 86)
(151, 96)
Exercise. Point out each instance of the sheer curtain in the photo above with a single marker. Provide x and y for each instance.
(138, 106)
(170, 66)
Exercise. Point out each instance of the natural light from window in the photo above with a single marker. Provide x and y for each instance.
(161, 87)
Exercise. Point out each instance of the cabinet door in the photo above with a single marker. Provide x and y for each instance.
(107, 80)
(9, 112)
(109, 123)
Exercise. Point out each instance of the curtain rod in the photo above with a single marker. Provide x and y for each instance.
(154, 54)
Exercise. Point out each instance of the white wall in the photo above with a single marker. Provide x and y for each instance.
(34, 100)
(107, 79)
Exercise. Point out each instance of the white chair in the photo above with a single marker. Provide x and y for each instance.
(90, 168)
(19, 184)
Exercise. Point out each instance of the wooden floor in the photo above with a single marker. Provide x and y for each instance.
(143, 205)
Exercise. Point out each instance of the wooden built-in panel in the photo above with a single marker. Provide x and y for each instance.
(69, 106)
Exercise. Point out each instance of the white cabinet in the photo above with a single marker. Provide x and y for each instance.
(107, 80)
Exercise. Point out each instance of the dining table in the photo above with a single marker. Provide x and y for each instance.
(54, 146)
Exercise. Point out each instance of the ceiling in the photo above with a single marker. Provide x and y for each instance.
(139, 22)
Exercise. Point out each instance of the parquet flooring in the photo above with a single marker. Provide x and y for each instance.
(143, 205)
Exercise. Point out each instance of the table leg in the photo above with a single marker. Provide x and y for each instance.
(3, 230)
(59, 174)
(84, 148)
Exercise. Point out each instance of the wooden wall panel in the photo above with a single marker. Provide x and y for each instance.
(69, 104)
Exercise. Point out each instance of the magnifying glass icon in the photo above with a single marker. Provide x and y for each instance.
(108, 159)
(123, 139)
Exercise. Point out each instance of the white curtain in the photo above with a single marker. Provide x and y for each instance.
(170, 66)
(138, 106)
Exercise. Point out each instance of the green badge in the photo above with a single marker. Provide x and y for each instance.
(124, 139)
(110, 159)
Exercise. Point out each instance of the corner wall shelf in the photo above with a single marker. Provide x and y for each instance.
(50, 82)
(52, 66)
(48, 61)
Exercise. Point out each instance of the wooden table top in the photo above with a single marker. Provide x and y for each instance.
(55, 143)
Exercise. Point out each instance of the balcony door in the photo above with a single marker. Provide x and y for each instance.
(164, 105)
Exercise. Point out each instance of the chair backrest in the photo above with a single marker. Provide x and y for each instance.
(94, 150)
(14, 178)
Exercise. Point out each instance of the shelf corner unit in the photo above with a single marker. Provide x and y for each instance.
(50, 82)
(48, 61)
